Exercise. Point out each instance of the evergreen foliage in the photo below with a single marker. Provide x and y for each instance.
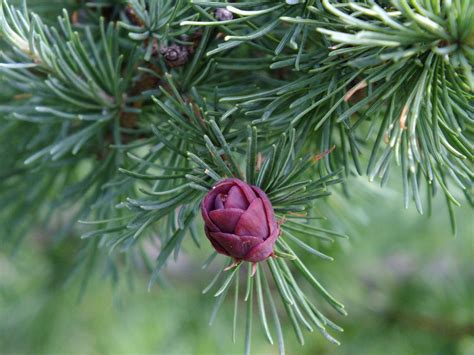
(123, 114)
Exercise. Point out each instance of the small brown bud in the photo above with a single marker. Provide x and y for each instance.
(223, 14)
(175, 55)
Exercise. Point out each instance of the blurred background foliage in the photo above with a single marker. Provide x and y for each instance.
(407, 284)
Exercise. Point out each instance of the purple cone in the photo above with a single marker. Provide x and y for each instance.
(239, 220)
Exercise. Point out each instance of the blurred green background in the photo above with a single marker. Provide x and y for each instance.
(407, 284)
